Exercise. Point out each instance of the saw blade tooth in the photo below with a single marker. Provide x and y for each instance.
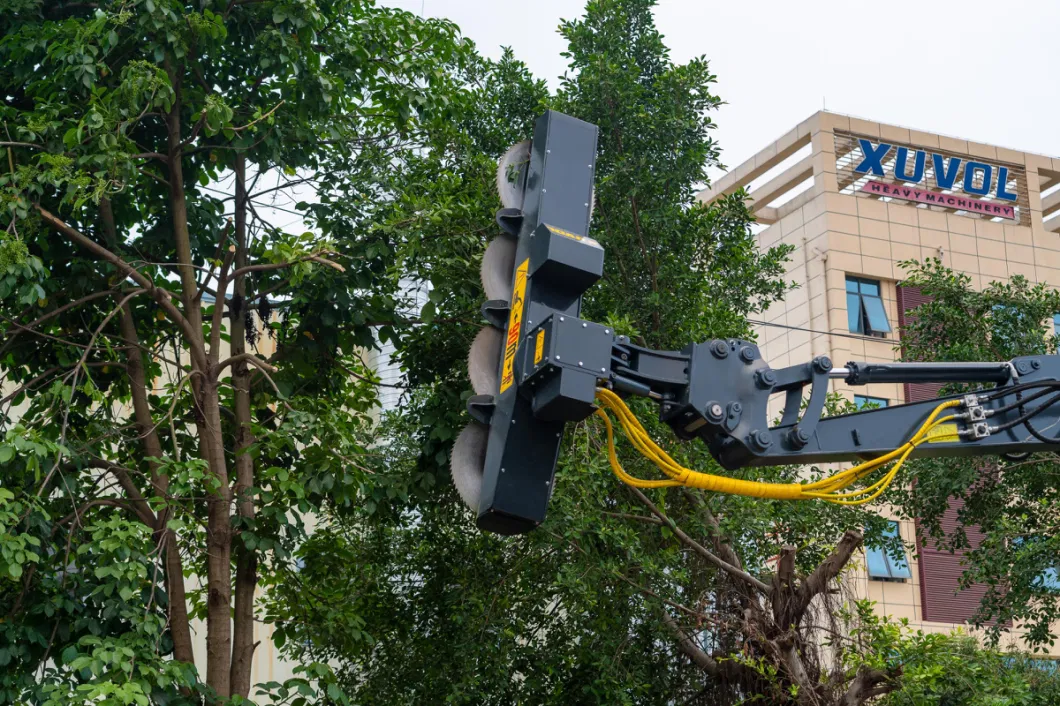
(496, 269)
(467, 463)
(511, 170)
(483, 360)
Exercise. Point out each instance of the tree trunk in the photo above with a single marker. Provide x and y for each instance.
(246, 559)
(179, 626)
(208, 418)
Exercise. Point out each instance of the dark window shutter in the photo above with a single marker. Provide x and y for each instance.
(940, 574)
(910, 298)
(940, 571)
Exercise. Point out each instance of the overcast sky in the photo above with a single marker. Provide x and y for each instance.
(985, 71)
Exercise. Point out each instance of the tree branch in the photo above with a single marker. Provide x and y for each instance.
(870, 683)
(817, 582)
(316, 257)
(248, 357)
(22, 144)
(161, 296)
(56, 312)
(687, 645)
(52, 371)
(219, 301)
(699, 548)
(78, 512)
(138, 502)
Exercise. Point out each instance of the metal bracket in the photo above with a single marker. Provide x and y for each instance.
(496, 312)
(481, 407)
(793, 380)
(510, 220)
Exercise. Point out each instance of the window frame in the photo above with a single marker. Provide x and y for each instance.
(864, 316)
(866, 400)
(876, 557)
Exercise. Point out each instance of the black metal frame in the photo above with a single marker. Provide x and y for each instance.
(717, 391)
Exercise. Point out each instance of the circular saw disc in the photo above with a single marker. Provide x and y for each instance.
(468, 462)
(511, 173)
(496, 269)
(482, 361)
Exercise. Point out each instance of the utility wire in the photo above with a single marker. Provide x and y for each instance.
(855, 336)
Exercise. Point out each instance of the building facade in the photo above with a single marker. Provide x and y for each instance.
(856, 198)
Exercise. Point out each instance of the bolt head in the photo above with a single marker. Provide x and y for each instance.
(716, 410)
(761, 439)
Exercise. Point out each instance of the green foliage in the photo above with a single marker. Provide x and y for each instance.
(412, 603)
(1015, 506)
(944, 670)
(127, 123)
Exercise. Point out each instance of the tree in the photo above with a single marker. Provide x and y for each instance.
(1012, 500)
(945, 670)
(620, 596)
(150, 433)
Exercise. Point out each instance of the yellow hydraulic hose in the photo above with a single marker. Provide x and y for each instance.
(824, 489)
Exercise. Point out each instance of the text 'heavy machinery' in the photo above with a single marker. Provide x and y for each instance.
(537, 366)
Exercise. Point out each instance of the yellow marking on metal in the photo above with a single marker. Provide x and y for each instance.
(515, 322)
(943, 433)
(539, 347)
(573, 236)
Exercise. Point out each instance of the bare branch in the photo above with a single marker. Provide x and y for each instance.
(687, 645)
(137, 500)
(96, 502)
(22, 144)
(51, 371)
(150, 155)
(817, 582)
(870, 683)
(250, 358)
(56, 312)
(264, 267)
(699, 548)
(259, 119)
(162, 296)
(638, 518)
(219, 302)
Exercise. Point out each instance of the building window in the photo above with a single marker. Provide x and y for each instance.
(866, 402)
(884, 566)
(1049, 579)
(865, 311)
(1056, 324)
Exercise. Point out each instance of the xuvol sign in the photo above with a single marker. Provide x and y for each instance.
(909, 167)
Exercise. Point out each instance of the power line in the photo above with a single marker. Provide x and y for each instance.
(819, 333)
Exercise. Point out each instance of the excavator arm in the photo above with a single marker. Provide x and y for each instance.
(537, 366)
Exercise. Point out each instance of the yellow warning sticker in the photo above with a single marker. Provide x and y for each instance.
(539, 347)
(942, 433)
(515, 322)
(573, 236)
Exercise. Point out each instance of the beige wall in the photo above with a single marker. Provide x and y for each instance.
(836, 234)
